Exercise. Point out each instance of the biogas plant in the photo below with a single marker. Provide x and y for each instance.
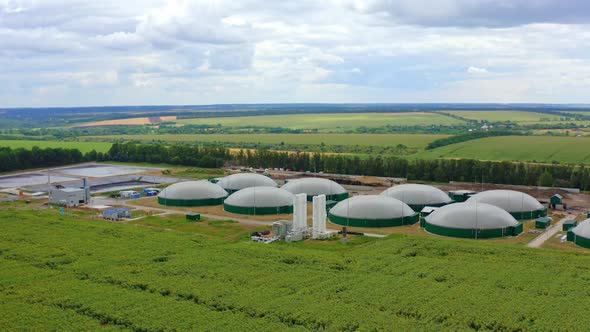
(332, 209)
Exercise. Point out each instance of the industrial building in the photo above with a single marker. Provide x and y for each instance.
(259, 201)
(192, 193)
(316, 186)
(69, 196)
(520, 205)
(239, 181)
(472, 220)
(580, 234)
(417, 196)
(372, 211)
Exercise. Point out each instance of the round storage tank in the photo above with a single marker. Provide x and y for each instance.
(581, 234)
(520, 205)
(316, 186)
(239, 181)
(417, 196)
(192, 193)
(259, 201)
(472, 220)
(372, 211)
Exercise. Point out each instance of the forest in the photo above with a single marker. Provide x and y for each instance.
(435, 170)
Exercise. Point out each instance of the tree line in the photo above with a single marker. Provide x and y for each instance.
(436, 170)
(468, 137)
(20, 158)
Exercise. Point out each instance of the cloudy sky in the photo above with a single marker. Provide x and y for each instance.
(139, 52)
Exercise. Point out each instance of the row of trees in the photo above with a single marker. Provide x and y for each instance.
(178, 154)
(467, 137)
(438, 170)
(17, 159)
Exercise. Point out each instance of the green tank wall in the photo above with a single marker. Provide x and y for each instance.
(191, 202)
(252, 211)
(578, 240)
(474, 233)
(335, 197)
(528, 215)
(374, 223)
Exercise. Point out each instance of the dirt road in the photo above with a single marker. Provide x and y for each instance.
(549, 232)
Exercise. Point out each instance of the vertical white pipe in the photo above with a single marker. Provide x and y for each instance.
(315, 219)
(322, 213)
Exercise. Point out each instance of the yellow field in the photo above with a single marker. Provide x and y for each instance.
(131, 121)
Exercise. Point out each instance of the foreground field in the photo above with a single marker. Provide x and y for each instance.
(418, 141)
(69, 273)
(329, 121)
(82, 146)
(572, 150)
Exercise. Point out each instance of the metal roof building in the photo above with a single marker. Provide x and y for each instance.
(260, 201)
(581, 234)
(235, 182)
(417, 196)
(316, 186)
(520, 205)
(472, 220)
(192, 193)
(372, 211)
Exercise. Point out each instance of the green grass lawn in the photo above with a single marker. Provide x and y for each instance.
(332, 122)
(72, 274)
(418, 141)
(572, 150)
(82, 146)
(501, 116)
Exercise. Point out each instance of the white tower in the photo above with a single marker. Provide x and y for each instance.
(300, 212)
(319, 217)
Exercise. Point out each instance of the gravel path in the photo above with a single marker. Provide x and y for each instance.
(549, 232)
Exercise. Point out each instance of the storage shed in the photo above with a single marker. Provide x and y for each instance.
(542, 222)
(556, 199)
(193, 217)
(569, 224)
(372, 211)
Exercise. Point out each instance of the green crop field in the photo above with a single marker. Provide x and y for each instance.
(501, 116)
(573, 150)
(62, 273)
(418, 141)
(329, 122)
(82, 146)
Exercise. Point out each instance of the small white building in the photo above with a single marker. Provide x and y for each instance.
(130, 194)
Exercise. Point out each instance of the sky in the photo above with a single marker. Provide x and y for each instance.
(155, 52)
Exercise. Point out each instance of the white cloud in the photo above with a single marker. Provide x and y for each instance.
(476, 70)
(76, 52)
